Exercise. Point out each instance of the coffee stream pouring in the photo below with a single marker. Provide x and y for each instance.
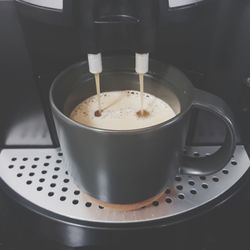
(118, 26)
(95, 67)
(141, 68)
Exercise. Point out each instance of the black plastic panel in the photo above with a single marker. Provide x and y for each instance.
(22, 117)
(46, 15)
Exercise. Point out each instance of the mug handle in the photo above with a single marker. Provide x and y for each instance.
(212, 163)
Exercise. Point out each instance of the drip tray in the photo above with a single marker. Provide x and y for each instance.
(40, 176)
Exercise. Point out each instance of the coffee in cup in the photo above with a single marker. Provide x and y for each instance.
(121, 110)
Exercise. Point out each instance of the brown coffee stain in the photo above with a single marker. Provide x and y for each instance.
(142, 113)
(129, 207)
(98, 113)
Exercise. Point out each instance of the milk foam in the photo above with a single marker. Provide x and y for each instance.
(119, 111)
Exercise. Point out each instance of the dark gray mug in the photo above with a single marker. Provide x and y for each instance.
(125, 167)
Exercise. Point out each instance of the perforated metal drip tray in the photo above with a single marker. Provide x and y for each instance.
(40, 176)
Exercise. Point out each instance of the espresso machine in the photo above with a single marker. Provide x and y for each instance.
(40, 205)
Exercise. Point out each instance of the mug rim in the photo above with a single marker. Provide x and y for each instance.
(69, 121)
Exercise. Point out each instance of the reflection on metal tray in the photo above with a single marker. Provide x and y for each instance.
(40, 176)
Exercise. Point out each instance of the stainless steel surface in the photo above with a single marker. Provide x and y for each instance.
(179, 3)
(40, 176)
(52, 4)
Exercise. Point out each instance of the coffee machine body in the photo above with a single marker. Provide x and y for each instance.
(206, 39)
(192, 35)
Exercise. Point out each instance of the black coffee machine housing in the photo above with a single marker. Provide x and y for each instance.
(208, 40)
(192, 35)
(117, 25)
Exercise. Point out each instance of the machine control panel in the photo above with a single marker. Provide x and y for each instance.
(58, 4)
(51, 4)
(180, 3)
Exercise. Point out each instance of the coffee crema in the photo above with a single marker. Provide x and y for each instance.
(121, 111)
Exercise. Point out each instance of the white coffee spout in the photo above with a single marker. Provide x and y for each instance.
(95, 63)
(141, 63)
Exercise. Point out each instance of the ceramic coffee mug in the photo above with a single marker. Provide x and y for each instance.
(125, 167)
